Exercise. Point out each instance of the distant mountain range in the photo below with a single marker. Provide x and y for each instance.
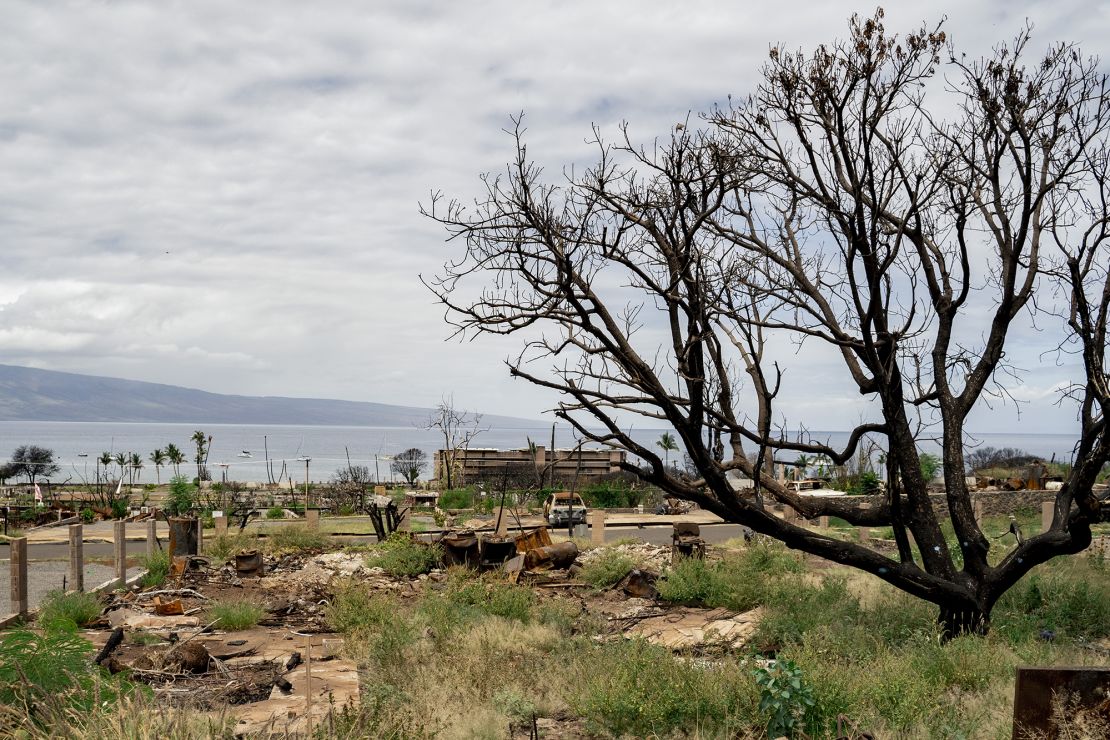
(45, 395)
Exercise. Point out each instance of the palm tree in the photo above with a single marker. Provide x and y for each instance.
(203, 444)
(136, 466)
(104, 461)
(801, 465)
(158, 457)
(121, 459)
(175, 458)
(667, 443)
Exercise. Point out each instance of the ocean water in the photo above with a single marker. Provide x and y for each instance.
(329, 446)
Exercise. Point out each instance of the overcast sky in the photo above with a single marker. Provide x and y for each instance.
(225, 195)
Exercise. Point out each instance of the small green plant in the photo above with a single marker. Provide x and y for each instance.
(68, 611)
(120, 507)
(606, 569)
(157, 568)
(275, 512)
(236, 615)
(400, 555)
(88, 516)
(181, 499)
(784, 697)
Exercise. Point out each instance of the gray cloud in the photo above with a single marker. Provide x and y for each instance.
(224, 195)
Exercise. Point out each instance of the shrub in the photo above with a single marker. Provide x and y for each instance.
(275, 512)
(68, 611)
(495, 598)
(236, 615)
(784, 697)
(120, 507)
(739, 581)
(157, 568)
(88, 516)
(605, 496)
(460, 498)
(401, 555)
(606, 569)
(49, 673)
(181, 499)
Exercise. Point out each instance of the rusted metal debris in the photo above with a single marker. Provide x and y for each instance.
(1084, 688)
(557, 556)
(686, 541)
(640, 584)
(249, 563)
(460, 548)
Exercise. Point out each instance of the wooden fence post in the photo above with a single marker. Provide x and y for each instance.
(76, 558)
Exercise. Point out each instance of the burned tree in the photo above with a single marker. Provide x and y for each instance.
(858, 201)
(458, 429)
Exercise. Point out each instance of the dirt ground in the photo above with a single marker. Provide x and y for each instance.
(286, 673)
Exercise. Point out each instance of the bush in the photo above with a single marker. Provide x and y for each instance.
(784, 697)
(606, 569)
(88, 516)
(605, 496)
(181, 498)
(275, 512)
(493, 597)
(121, 507)
(236, 615)
(157, 568)
(401, 555)
(226, 546)
(460, 498)
(740, 582)
(48, 673)
(68, 611)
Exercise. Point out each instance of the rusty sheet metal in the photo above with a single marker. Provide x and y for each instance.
(496, 550)
(249, 563)
(1034, 690)
(557, 556)
(539, 537)
(640, 584)
(460, 548)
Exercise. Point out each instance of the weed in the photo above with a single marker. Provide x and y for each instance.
(606, 569)
(68, 611)
(236, 615)
(226, 546)
(295, 538)
(635, 688)
(401, 555)
(157, 568)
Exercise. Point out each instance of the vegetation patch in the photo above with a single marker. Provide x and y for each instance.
(157, 567)
(64, 611)
(401, 555)
(606, 569)
(236, 615)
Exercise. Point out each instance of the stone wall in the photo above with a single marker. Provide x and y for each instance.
(999, 502)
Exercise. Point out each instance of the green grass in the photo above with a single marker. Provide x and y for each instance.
(401, 555)
(68, 611)
(606, 569)
(295, 538)
(236, 615)
(157, 568)
(738, 581)
(226, 546)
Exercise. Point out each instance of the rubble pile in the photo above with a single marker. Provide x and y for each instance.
(655, 558)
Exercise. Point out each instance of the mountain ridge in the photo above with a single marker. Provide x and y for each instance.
(31, 394)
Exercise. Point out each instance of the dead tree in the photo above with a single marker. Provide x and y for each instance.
(458, 429)
(857, 201)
